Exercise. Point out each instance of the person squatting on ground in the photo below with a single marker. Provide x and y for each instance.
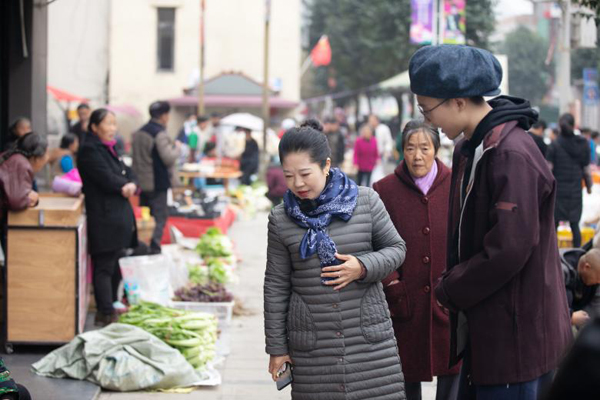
(329, 246)
(503, 284)
(416, 197)
(107, 184)
(581, 272)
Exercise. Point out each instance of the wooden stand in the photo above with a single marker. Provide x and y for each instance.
(47, 290)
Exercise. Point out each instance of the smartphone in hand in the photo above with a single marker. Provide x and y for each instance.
(284, 376)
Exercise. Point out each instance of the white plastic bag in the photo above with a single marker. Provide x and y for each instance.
(146, 278)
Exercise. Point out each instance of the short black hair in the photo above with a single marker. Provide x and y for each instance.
(309, 137)
(67, 140)
(540, 123)
(595, 134)
(477, 100)
(215, 115)
(419, 125)
(97, 117)
(585, 130)
(83, 106)
(202, 118)
(159, 108)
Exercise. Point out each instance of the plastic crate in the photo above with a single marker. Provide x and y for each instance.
(223, 312)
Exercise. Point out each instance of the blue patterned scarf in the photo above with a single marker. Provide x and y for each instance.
(337, 199)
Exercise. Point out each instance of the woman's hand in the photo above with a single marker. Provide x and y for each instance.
(34, 198)
(345, 273)
(275, 363)
(580, 318)
(128, 190)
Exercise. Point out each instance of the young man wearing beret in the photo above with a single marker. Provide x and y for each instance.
(503, 283)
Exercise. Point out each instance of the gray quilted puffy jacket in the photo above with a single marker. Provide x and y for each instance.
(342, 342)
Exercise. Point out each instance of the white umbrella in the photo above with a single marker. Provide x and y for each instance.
(244, 120)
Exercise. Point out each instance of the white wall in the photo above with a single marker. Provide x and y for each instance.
(78, 47)
(234, 42)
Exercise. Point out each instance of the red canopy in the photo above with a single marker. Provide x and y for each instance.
(62, 95)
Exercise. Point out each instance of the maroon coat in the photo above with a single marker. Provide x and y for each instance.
(422, 327)
(504, 272)
(16, 182)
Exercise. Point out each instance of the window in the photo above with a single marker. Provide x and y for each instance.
(166, 39)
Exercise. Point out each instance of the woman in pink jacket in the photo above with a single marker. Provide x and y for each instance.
(365, 155)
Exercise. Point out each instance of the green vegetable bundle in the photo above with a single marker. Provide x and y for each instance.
(215, 271)
(213, 244)
(194, 334)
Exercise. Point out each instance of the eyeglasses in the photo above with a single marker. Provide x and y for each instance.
(426, 112)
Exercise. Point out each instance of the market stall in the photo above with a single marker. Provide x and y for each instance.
(47, 285)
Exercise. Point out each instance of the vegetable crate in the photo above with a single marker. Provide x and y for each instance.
(223, 312)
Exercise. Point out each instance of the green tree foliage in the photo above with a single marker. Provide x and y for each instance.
(594, 5)
(480, 22)
(528, 74)
(370, 39)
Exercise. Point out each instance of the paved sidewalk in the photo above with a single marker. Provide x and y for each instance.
(244, 373)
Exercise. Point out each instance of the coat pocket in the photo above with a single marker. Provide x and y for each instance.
(302, 333)
(398, 301)
(375, 321)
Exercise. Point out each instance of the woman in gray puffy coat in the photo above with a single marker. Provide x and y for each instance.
(330, 244)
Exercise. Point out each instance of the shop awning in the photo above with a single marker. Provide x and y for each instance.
(63, 95)
(397, 82)
(232, 101)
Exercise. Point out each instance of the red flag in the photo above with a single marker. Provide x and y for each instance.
(321, 53)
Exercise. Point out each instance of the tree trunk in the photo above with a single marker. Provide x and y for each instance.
(369, 102)
(357, 112)
(398, 96)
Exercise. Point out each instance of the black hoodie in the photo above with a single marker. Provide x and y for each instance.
(504, 109)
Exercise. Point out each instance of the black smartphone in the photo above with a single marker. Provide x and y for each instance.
(284, 376)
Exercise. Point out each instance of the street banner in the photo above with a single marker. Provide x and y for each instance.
(454, 22)
(591, 95)
(421, 28)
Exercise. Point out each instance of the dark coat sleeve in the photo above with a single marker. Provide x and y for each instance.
(94, 166)
(277, 291)
(514, 232)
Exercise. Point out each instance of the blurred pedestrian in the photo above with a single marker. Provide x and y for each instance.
(26, 157)
(537, 134)
(503, 283)
(276, 183)
(70, 144)
(330, 244)
(154, 156)
(587, 133)
(385, 147)
(416, 197)
(17, 129)
(569, 158)
(366, 155)
(336, 141)
(80, 128)
(108, 184)
(249, 159)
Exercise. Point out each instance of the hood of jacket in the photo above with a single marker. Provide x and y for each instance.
(504, 109)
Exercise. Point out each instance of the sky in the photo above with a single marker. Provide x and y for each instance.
(507, 8)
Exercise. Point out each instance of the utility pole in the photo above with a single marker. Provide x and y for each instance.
(265, 98)
(564, 58)
(201, 75)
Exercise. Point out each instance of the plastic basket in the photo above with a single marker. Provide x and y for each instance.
(223, 312)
